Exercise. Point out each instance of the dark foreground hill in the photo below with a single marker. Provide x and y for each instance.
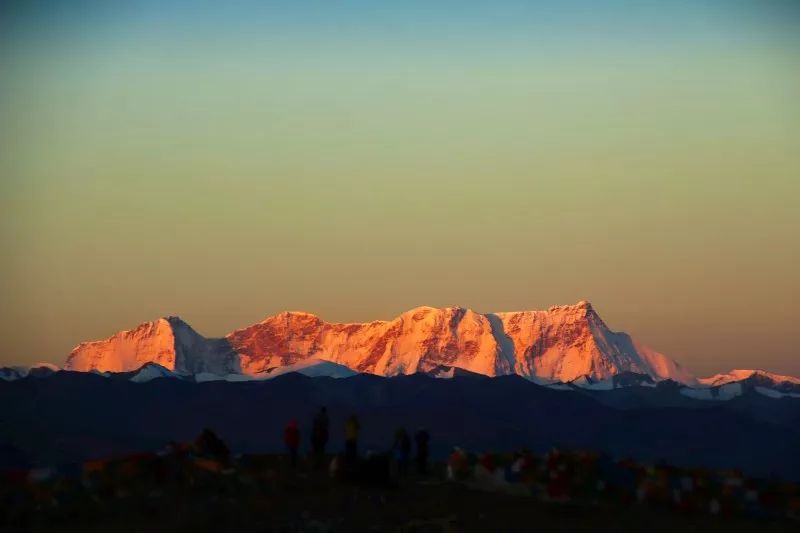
(71, 417)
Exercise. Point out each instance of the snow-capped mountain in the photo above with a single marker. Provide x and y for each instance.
(169, 342)
(312, 367)
(151, 371)
(738, 382)
(560, 344)
(760, 378)
(567, 342)
(563, 343)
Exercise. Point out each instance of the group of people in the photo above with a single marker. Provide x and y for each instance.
(566, 476)
(319, 438)
(207, 463)
(402, 449)
(401, 446)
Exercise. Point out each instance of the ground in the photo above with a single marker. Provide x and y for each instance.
(276, 497)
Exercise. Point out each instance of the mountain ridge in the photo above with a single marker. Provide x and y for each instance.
(561, 343)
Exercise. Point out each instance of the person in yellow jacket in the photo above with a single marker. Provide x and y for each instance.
(351, 430)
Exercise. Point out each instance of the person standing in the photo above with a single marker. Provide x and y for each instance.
(351, 429)
(402, 449)
(319, 437)
(210, 446)
(422, 438)
(291, 437)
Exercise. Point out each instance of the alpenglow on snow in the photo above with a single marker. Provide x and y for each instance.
(562, 343)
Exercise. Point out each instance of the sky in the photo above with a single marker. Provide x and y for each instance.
(227, 161)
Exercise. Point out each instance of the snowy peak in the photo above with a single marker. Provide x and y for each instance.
(314, 368)
(168, 342)
(150, 342)
(561, 344)
(754, 379)
(741, 375)
(722, 387)
(279, 340)
(565, 343)
(579, 310)
(418, 338)
(151, 371)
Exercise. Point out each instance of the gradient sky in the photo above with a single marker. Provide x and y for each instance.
(226, 161)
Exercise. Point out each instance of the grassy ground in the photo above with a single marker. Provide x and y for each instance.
(275, 497)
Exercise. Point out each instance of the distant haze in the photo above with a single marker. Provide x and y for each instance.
(358, 159)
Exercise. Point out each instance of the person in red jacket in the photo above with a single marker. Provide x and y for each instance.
(291, 437)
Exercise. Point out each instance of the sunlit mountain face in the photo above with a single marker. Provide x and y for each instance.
(560, 344)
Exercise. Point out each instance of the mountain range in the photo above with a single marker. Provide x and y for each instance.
(485, 381)
(564, 347)
(561, 344)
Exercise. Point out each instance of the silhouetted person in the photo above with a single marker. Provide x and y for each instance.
(351, 430)
(291, 437)
(402, 449)
(319, 437)
(422, 438)
(209, 445)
